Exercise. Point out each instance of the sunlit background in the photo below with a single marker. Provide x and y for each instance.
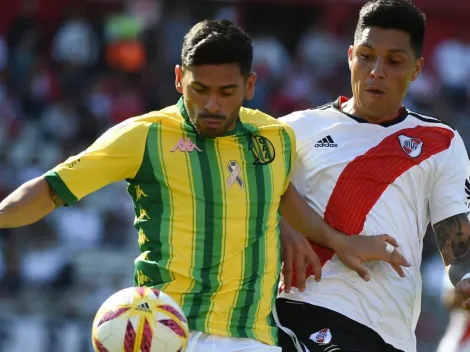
(70, 69)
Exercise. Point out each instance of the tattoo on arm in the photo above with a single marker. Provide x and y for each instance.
(56, 198)
(453, 239)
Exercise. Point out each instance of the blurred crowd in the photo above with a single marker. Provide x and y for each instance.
(60, 89)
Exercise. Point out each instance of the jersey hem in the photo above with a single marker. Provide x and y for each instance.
(449, 212)
(60, 187)
(223, 333)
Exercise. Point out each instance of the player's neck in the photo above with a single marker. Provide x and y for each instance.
(350, 107)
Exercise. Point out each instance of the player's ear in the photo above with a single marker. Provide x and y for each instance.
(418, 68)
(250, 86)
(179, 78)
(350, 55)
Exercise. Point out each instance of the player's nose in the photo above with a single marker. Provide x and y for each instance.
(212, 105)
(378, 69)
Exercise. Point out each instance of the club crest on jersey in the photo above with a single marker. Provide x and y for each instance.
(262, 149)
(411, 146)
(322, 337)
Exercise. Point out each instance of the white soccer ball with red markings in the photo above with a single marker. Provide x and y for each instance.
(140, 319)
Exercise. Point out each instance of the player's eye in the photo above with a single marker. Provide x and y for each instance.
(366, 57)
(227, 93)
(199, 90)
(394, 62)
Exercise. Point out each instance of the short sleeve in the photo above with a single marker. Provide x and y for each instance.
(291, 154)
(450, 191)
(295, 121)
(115, 156)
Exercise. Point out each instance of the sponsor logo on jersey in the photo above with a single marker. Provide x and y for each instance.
(326, 142)
(322, 337)
(411, 146)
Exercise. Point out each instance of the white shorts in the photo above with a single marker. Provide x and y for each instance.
(202, 342)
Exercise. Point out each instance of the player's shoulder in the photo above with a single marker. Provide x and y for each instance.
(429, 121)
(263, 121)
(142, 123)
(448, 132)
(306, 116)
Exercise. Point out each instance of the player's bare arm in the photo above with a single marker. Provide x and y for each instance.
(29, 203)
(298, 216)
(453, 239)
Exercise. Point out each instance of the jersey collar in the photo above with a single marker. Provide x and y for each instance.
(240, 127)
(401, 115)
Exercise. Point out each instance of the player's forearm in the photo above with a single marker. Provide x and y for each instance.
(29, 203)
(453, 239)
(307, 221)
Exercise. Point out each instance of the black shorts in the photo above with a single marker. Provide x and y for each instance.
(306, 327)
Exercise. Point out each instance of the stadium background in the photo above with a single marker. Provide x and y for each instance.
(70, 69)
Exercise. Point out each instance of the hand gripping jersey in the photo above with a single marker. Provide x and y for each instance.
(368, 179)
(206, 211)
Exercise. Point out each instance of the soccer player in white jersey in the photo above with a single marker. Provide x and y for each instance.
(370, 166)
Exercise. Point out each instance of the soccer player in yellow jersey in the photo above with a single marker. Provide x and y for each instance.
(208, 179)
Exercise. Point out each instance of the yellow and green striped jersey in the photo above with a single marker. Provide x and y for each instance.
(207, 211)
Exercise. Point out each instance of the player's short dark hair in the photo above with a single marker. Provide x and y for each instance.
(394, 14)
(217, 42)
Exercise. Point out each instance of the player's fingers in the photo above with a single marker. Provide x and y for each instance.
(396, 258)
(399, 270)
(362, 271)
(300, 274)
(287, 271)
(315, 263)
(389, 239)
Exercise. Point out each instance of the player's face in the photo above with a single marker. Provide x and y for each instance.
(382, 64)
(213, 95)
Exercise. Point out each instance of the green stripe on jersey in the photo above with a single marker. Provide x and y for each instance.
(259, 190)
(161, 222)
(209, 231)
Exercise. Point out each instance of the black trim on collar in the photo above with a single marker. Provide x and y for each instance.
(401, 116)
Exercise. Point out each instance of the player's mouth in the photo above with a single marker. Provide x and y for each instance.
(375, 92)
(211, 122)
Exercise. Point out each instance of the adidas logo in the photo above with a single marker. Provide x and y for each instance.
(144, 307)
(326, 142)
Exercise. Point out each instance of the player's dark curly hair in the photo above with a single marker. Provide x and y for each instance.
(217, 42)
(394, 14)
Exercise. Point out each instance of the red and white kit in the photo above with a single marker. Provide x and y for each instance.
(369, 179)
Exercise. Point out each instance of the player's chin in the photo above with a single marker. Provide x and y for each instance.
(211, 132)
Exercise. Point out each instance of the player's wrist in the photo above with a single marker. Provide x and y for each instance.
(335, 240)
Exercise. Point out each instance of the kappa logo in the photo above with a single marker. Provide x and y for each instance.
(322, 337)
(411, 146)
(185, 145)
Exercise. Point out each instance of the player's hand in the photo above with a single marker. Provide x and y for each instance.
(462, 290)
(355, 250)
(297, 253)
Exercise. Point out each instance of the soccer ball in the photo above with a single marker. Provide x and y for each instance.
(140, 319)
